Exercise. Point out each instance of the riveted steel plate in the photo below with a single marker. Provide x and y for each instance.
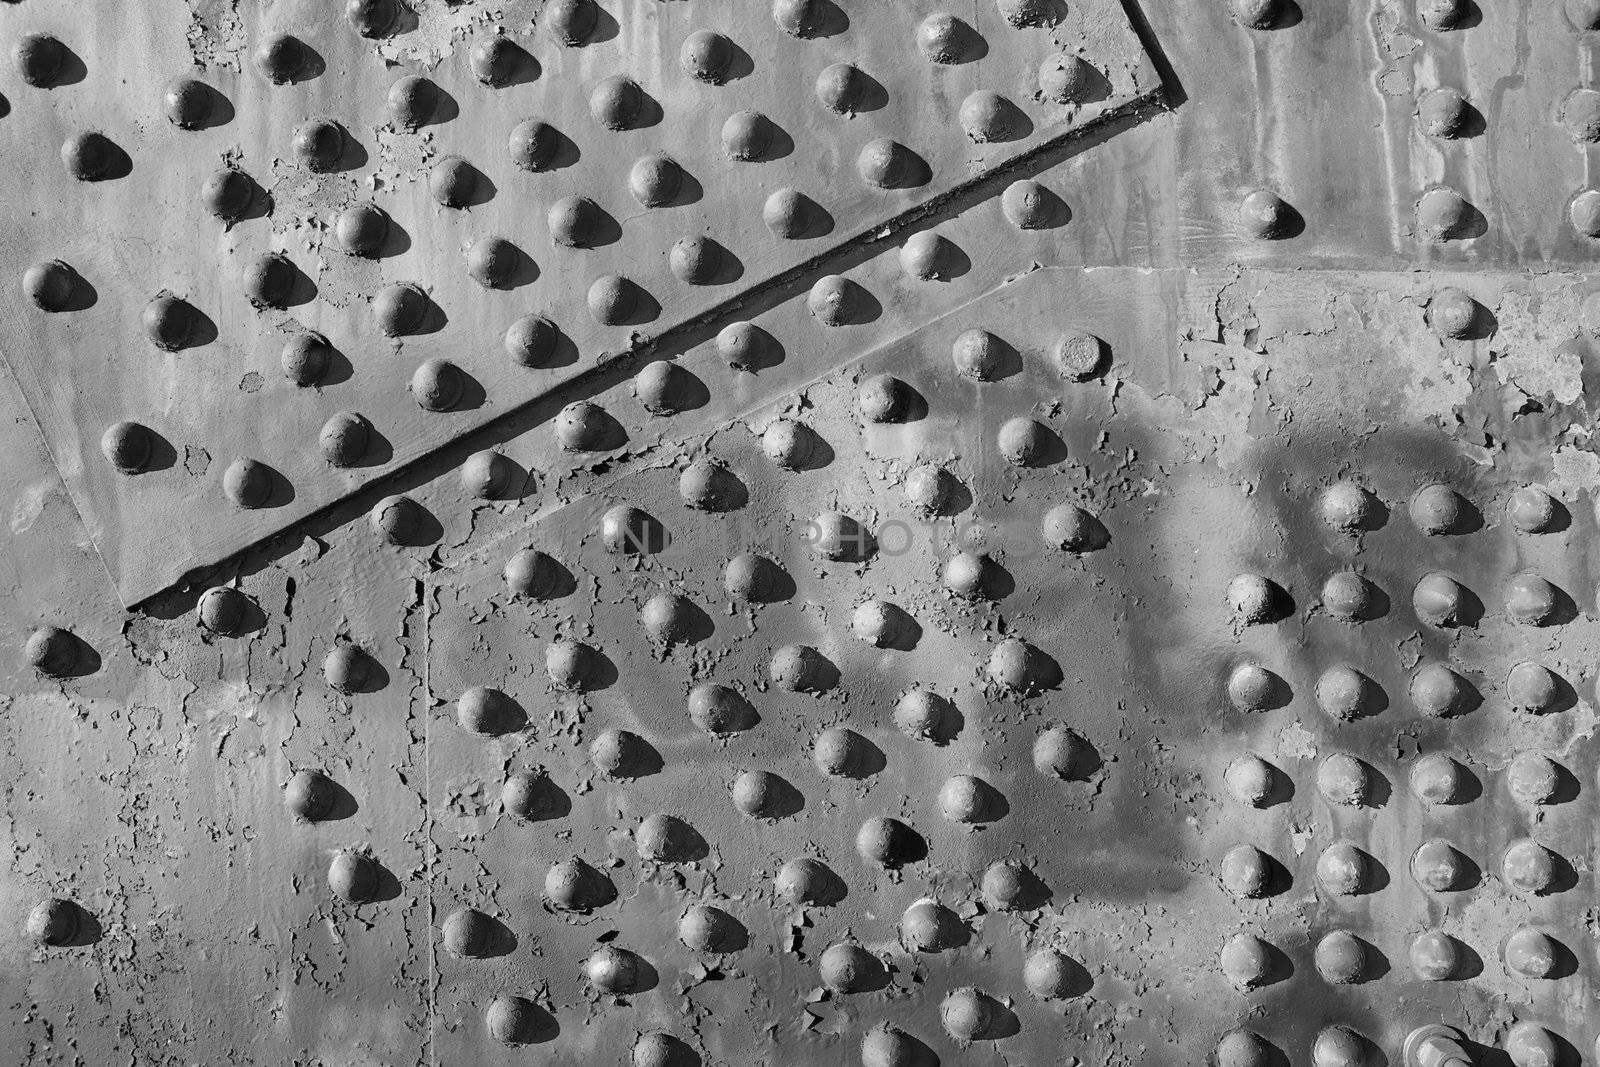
(558, 226)
(1133, 605)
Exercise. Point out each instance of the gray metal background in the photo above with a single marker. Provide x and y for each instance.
(1244, 377)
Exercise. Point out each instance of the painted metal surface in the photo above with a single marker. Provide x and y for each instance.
(1158, 630)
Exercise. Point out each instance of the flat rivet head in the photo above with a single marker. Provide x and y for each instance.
(128, 446)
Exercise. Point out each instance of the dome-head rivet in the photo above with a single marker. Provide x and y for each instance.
(128, 446)
(344, 438)
(306, 358)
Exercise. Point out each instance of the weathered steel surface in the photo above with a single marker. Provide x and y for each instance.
(1280, 750)
(555, 234)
